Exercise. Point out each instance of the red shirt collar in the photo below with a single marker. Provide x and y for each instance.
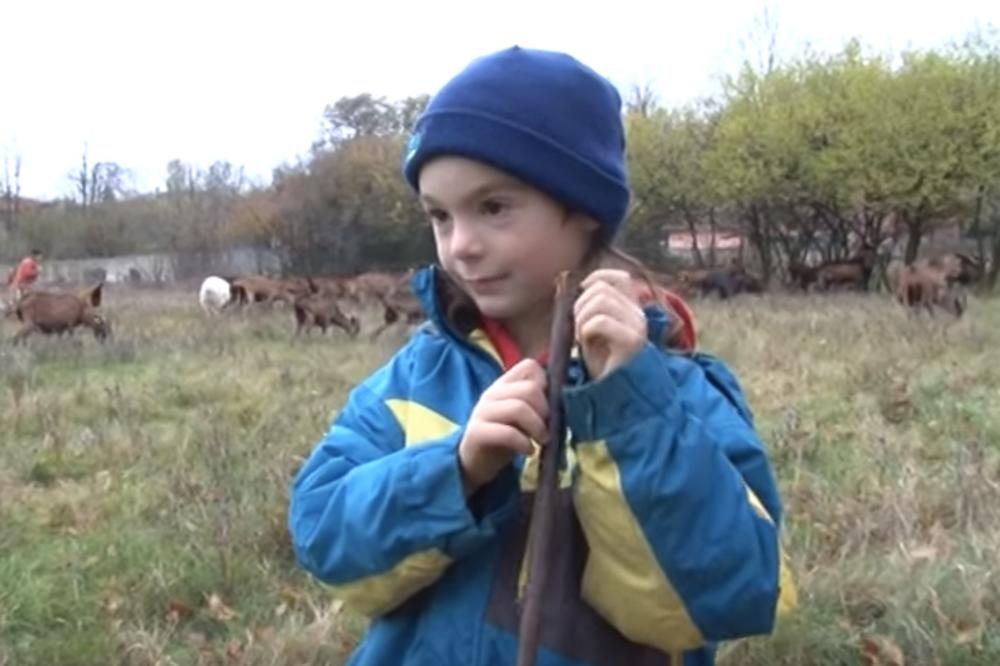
(504, 343)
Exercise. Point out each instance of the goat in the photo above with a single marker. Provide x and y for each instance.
(337, 287)
(49, 312)
(725, 282)
(261, 289)
(399, 304)
(965, 269)
(373, 287)
(237, 294)
(321, 309)
(801, 275)
(854, 272)
(215, 294)
(929, 282)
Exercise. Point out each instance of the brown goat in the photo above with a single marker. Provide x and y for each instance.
(400, 304)
(321, 309)
(725, 282)
(49, 312)
(693, 277)
(854, 272)
(237, 294)
(371, 288)
(932, 282)
(261, 289)
(969, 270)
(801, 275)
(335, 286)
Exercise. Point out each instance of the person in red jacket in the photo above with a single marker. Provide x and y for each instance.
(25, 274)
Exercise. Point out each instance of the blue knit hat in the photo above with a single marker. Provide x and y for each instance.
(541, 116)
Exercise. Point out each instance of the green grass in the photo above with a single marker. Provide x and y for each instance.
(144, 483)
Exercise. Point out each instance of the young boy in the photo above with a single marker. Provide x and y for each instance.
(416, 504)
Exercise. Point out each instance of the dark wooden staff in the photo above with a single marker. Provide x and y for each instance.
(543, 511)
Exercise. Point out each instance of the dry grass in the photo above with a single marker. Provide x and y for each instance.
(884, 430)
(143, 483)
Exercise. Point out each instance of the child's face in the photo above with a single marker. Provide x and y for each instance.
(503, 241)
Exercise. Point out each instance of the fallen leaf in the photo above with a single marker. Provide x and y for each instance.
(928, 553)
(218, 610)
(968, 634)
(265, 634)
(881, 651)
(113, 602)
(177, 611)
(234, 650)
(293, 597)
(103, 479)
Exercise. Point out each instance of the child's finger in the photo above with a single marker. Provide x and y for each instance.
(492, 435)
(606, 292)
(527, 368)
(608, 330)
(519, 414)
(619, 279)
(621, 309)
(528, 390)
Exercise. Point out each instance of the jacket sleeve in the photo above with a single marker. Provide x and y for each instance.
(377, 512)
(683, 551)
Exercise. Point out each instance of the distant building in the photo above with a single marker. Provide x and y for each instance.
(723, 243)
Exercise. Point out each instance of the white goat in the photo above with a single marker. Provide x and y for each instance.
(214, 295)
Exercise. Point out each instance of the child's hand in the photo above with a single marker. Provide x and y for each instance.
(509, 414)
(610, 325)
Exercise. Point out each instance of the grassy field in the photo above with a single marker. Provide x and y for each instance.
(144, 483)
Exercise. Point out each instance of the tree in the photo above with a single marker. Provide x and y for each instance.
(109, 181)
(670, 187)
(359, 116)
(81, 180)
(408, 111)
(11, 192)
(821, 151)
(101, 183)
(367, 116)
(642, 100)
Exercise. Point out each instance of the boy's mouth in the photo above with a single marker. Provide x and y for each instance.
(483, 283)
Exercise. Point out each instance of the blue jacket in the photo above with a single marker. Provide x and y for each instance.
(669, 525)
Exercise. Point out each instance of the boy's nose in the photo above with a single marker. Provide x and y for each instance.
(465, 241)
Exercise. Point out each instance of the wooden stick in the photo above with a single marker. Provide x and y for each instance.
(543, 511)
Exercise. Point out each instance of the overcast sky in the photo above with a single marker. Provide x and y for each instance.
(144, 82)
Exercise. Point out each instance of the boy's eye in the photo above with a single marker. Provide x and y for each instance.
(437, 215)
(492, 207)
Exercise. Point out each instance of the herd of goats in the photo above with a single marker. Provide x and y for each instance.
(319, 302)
(927, 283)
